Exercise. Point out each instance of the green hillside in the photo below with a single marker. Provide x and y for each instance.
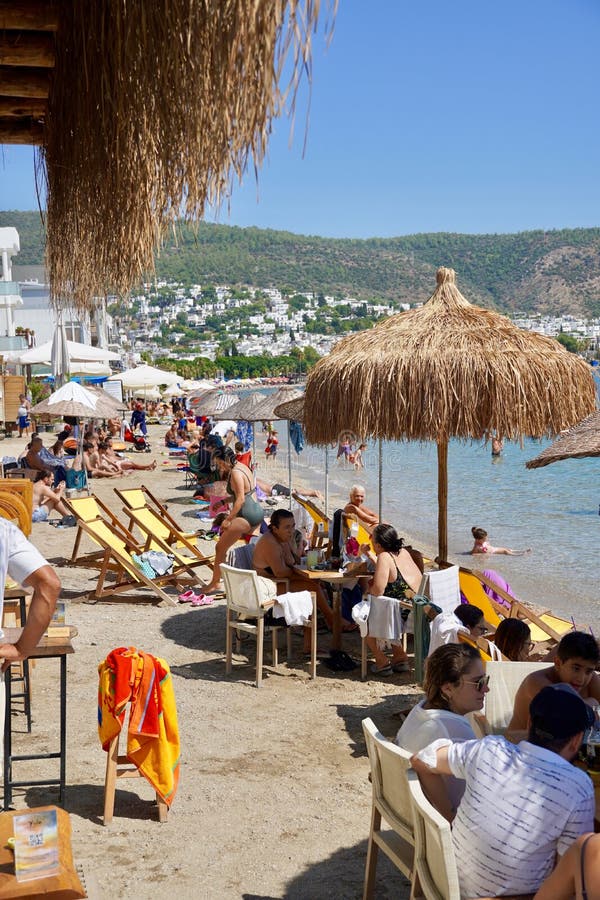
(535, 271)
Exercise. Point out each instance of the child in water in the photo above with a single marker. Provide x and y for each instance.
(481, 545)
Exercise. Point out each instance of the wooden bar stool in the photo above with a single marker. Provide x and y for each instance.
(113, 772)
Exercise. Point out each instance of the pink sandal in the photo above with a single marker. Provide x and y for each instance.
(187, 597)
(202, 600)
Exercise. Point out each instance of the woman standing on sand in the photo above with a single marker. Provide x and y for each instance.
(246, 513)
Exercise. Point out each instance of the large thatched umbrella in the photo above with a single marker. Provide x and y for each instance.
(143, 111)
(447, 369)
(576, 443)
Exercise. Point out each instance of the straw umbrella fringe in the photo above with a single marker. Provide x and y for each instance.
(447, 369)
(581, 441)
(173, 101)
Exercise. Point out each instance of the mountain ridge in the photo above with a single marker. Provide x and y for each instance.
(546, 272)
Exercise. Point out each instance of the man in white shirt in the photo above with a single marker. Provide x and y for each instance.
(523, 803)
(26, 565)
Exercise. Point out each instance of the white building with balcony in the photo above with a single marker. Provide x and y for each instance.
(10, 292)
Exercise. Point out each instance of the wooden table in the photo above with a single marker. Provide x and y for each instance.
(47, 648)
(337, 580)
(58, 887)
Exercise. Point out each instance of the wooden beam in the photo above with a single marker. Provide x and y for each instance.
(21, 108)
(20, 132)
(28, 15)
(24, 82)
(20, 48)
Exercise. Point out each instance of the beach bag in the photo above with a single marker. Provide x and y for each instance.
(75, 479)
(161, 563)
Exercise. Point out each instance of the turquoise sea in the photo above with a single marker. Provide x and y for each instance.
(553, 510)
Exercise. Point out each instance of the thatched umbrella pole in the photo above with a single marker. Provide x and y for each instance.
(442, 458)
(447, 369)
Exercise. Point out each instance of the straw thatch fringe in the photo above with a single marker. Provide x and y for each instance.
(581, 441)
(155, 108)
(447, 369)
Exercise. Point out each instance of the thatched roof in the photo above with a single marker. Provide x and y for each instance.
(143, 111)
(243, 409)
(576, 443)
(266, 410)
(446, 369)
(292, 410)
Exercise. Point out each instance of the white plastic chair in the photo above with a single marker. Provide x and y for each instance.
(247, 599)
(391, 801)
(506, 678)
(442, 587)
(435, 875)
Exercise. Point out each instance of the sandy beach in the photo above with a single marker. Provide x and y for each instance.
(273, 800)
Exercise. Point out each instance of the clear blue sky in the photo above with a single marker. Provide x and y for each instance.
(426, 115)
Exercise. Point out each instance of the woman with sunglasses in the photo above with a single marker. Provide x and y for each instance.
(455, 684)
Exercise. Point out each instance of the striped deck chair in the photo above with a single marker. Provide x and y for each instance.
(117, 548)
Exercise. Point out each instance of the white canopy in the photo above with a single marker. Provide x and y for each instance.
(197, 386)
(145, 377)
(42, 355)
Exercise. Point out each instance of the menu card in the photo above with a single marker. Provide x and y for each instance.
(36, 845)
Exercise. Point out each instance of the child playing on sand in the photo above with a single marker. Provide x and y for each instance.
(481, 545)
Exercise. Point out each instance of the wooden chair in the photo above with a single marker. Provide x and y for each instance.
(319, 536)
(113, 761)
(391, 802)
(152, 526)
(13, 507)
(142, 498)
(117, 546)
(435, 875)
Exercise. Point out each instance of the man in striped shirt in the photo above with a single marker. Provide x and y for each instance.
(523, 804)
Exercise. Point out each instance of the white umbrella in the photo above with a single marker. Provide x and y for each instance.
(198, 386)
(89, 368)
(172, 391)
(147, 393)
(59, 355)
(145, 377)
(42, 355)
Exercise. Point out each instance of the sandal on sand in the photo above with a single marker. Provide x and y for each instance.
(403, 666)
(187, 597)
(385, 670)
(202, 600)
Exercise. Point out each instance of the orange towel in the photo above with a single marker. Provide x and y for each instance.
(152, 737)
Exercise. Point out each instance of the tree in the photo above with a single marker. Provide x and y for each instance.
(569, 342)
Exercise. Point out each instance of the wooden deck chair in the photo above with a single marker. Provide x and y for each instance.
(118, 545)
(473, 590)
(544, 626)
(487, 652)
(153, 527)
(319, 536)
(88, 509)
(141, 497)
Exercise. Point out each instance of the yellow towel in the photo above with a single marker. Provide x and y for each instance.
(128, 675)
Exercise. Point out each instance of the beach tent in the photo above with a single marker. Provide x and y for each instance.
(446, 369)
(580, 441)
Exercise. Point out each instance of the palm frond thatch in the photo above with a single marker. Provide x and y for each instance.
(578, 442)
(292, 410)
(154, 109)
(446, 369)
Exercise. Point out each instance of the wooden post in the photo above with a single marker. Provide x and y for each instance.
(442, 454)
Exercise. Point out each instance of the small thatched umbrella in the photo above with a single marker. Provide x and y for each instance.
(244, 408)
(447, 369)
(214, 402)
(576, 443)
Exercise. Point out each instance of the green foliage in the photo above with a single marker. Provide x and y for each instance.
(507, 271)
(569, 342)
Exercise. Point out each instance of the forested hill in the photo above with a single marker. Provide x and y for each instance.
(534, 271)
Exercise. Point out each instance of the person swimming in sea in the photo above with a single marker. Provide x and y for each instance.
(481, 545)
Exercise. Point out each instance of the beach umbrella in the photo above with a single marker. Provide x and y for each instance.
(446, 369)
(141, 377)
(59, 356)
(242, 412)
(77, 402)
(214, 402)
(42, 354)
(576, 443)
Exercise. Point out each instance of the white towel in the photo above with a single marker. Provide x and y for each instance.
(296, 607)
(360, 614)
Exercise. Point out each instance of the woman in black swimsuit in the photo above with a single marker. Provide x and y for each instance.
(577, 873)
(396, 575)
(246, 513)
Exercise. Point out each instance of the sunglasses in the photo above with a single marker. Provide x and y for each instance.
(480, 683)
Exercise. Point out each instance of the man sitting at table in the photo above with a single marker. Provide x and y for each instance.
(523, 803)
(575, 662)
(275, 556)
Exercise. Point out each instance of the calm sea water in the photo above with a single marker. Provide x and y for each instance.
(553, 510)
